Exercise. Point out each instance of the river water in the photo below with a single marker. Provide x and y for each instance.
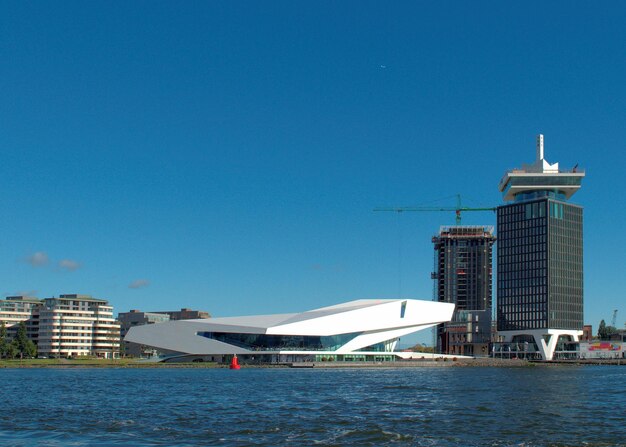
(447, 406)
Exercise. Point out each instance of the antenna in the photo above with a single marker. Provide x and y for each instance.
(539, 147)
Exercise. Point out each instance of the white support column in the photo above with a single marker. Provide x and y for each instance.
(545, 349)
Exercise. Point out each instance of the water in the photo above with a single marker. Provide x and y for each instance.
(529, 407)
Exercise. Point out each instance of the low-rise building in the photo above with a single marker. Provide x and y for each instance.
(185, 314)
(598, 349)
(587, 333)
(469, 333)
(138, 318)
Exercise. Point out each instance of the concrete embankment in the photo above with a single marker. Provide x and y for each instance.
(480, 362)
(617, 362)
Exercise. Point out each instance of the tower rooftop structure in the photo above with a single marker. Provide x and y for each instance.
(540, 179)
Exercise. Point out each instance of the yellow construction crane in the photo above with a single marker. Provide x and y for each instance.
(458, 209)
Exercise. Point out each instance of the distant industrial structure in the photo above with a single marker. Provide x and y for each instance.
(540, 258)
(463, 276)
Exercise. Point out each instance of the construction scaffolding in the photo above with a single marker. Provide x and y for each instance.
(463, 276)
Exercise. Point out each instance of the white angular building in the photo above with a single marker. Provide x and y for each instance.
(356, 330)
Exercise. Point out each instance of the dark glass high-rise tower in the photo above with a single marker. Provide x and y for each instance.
(540, 255)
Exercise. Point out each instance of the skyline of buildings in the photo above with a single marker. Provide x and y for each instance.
(539, 282)
(411, 133)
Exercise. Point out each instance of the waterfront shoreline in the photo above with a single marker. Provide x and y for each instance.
(438, 363)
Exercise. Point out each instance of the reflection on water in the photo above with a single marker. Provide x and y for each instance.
(540, 406)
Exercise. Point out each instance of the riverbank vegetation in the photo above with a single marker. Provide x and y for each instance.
(90, 362)
(19, 346)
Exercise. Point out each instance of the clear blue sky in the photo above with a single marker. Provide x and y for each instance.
(227, 156)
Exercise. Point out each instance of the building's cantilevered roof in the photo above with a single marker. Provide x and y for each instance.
(375, 320)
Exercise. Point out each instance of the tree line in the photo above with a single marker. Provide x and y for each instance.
(20, 346)
(605, 331)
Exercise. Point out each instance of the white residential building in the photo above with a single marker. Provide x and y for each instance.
(77, 325)
(15, 309)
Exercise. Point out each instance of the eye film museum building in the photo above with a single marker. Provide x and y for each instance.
(361, 330)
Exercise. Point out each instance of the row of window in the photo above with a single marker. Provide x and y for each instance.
(55, 334)
(519, 316)
(510, 224)
(65, 328)
(530, 269)
(519, 240)
(528, 277)
(523, 291)
(514, 326)
(522, 261)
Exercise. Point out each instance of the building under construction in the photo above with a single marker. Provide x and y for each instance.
(463, 276)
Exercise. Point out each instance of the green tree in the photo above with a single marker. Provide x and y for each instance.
(602, 332)
(4, 342)
(12, 351)
(610, 330)
(422, 348)
(31, 349)
(25, 347)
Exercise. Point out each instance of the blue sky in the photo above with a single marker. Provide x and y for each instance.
(227, 156)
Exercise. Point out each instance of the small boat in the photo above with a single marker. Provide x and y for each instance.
(234, 364)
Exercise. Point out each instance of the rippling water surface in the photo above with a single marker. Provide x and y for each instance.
(540, 406)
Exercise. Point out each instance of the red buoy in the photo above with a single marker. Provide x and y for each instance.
(234, 364)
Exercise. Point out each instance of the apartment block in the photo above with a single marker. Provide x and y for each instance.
(77, 325)
(15, 309)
